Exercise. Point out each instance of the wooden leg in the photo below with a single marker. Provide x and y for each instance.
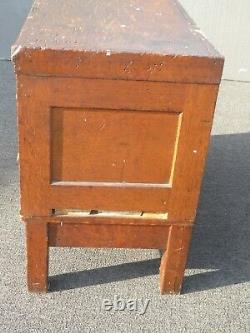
(174, 259)
(37, 256)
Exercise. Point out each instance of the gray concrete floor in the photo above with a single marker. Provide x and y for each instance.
(216, 290)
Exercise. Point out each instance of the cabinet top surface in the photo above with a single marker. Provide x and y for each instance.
(152, 40)
(131, 26)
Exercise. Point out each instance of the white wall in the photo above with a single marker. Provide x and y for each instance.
(12, 15)
(226, 23)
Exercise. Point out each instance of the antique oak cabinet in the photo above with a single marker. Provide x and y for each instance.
(115, 104)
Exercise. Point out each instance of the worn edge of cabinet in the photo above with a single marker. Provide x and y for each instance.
(117, 66)
(104, 220)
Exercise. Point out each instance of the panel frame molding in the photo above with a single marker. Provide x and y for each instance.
(129, 184)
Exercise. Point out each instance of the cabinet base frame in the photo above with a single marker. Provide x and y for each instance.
(42, 233)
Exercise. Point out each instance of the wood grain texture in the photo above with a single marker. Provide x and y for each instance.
(146, 40)
(108, 236)
(174, 259)
(99, 145)
(37, 255)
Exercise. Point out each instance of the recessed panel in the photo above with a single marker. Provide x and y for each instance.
(113, 146)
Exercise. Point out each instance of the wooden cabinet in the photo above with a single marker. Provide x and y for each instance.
(115, 107)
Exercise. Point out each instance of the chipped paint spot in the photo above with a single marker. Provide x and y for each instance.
(195, 151)
(15, 51)
(108, 53)
(102, 126)
(127, 66)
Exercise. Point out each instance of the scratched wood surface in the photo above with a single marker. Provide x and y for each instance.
(134, 39)
(137, 26)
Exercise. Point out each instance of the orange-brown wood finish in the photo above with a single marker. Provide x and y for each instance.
(37, 255)
(115, 109)
(174, 259)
